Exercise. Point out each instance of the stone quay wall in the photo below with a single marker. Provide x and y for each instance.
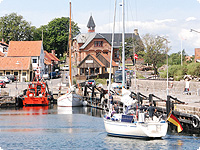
(160, 86)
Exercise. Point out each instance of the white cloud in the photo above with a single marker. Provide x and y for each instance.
(1, 1)
(175, 30)
(165, 20)
(191, 18)
(198, 1)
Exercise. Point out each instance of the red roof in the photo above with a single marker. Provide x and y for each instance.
(49, 57)
(24, 48)
(107, 57)
(97, 60)
(54, 57)
(9, 63)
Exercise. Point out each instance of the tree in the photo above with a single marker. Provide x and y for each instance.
(132, 44)
(55, 34)
(156, 49)
(13, 27)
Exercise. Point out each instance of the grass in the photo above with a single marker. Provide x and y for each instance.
(102, 81)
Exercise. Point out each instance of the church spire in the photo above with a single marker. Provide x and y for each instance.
(91, 25)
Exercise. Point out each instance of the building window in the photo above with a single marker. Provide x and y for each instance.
(105, 52)
(97, 70)
(34, 60)
(7, 73)
(16, 73)
(23, 73)
(98, 43)
(116, 54)
(1, 74)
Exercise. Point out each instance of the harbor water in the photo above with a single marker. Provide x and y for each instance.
(53, 128)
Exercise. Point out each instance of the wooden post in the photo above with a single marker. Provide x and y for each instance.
(168, 105)
(138, 97)
(85, 92)
(93, 94)
(150, 98)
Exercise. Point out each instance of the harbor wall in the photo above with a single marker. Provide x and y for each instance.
(155, 86)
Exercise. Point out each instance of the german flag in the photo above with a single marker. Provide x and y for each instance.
(175, 121)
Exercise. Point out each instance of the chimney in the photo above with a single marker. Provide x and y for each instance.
(53, 52)
(136, 31)
(2, 40)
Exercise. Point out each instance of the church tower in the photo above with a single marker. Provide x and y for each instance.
(91, 25)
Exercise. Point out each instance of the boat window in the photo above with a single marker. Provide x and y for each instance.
(38, 87)
(32, 91)
(32, 85)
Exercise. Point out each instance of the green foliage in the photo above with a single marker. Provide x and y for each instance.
(13, 27)
(131, 43)
(74, 81)
(56, 34)
(193, 69)
(175, 58)
(177, 71)
(156, 49)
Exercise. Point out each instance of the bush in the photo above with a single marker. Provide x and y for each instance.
(193, 69)
(175, 71)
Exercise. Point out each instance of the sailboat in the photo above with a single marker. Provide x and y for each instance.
(71, 98)
(131, 123)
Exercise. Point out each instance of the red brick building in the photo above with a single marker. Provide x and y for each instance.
(96, 43)
(197, 55)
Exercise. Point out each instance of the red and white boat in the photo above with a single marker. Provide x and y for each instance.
(37, 94)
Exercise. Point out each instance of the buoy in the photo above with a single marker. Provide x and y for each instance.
(195, 121)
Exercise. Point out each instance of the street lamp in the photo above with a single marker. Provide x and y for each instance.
(21, 71)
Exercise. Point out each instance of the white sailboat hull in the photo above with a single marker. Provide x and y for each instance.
(70, 100)
(136, 130)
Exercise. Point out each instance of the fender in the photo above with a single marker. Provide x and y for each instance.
(195, 121)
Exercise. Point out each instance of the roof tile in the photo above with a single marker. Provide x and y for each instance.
(24, 48)
(9, 63)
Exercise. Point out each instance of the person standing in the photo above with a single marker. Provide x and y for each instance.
(151, 110)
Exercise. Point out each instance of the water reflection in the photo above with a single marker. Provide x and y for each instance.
(140, 144)
(81, 110)
(36, 110)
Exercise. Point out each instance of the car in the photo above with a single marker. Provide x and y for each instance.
(45, 76)
(66, 67)
(91, 82)
(2, 84)
(4, 78)
(11, 77)
(52, 75)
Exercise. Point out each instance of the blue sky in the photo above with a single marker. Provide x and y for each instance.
(171, 18)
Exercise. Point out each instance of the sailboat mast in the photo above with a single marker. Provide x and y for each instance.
(70, 42)
(111, 56)
(123, 48)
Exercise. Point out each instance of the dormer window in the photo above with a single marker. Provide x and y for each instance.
(98, 43)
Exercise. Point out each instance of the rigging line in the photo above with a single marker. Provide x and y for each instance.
(127, 18)
(110, 29)
(131, 12)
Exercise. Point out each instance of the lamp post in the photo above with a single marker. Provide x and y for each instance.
(21, 71)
